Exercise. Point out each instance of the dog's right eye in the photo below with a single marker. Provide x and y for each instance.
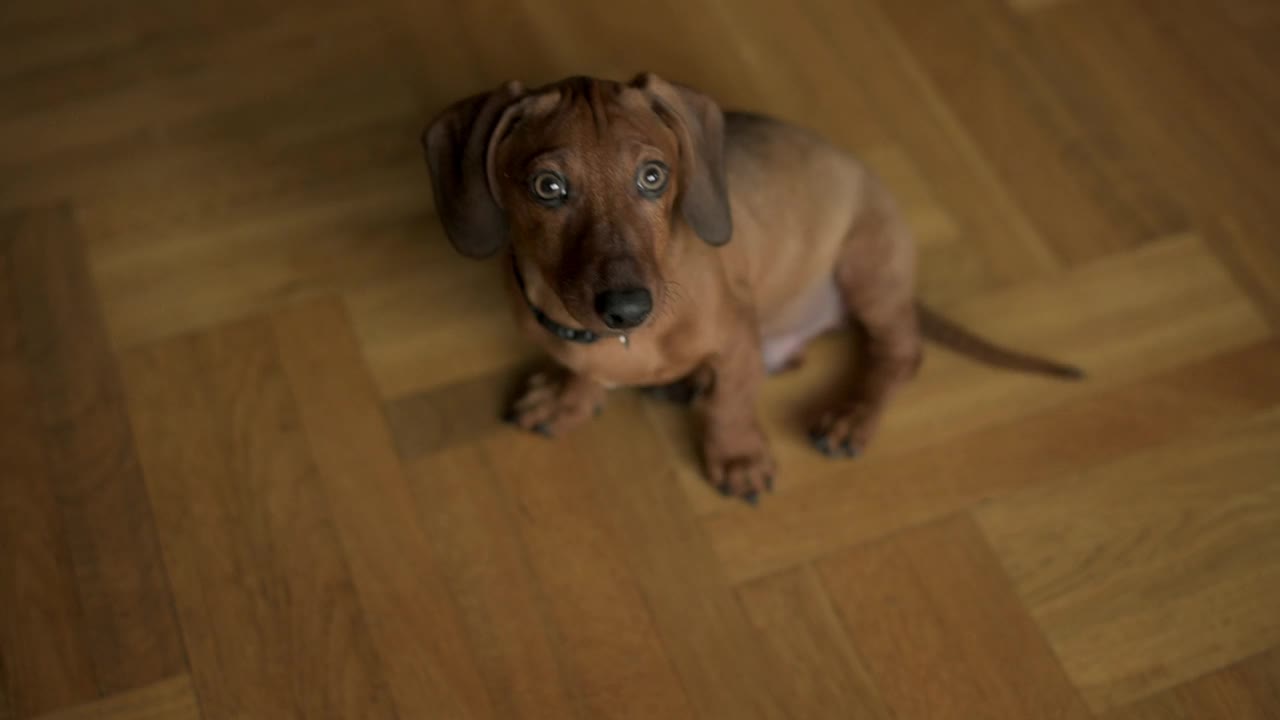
(549, 188)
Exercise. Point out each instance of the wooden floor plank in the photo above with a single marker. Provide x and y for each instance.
(1248, 690)
(613, 643)
(1211, 43)
(1163, 554)
(272, 623)
(161, 289)
(417, 630)
(943, 633)
(472, 524)
(193, 79)
(951, 267)
(824, 676)
(45, 659)
(172, 699)
(997, 82)
(124, 593)
(232, 170)
(1138, 63)
(916, 111)
(445, 322)
(711, 642)
(456, 414)
(803, 83)
(881, 495)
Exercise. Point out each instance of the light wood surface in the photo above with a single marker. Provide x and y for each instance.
(251, 462)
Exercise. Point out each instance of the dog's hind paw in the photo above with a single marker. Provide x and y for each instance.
(844, 433)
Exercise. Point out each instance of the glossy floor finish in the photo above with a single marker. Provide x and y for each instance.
(251, 463)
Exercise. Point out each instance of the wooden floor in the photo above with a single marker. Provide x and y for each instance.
(251, 464)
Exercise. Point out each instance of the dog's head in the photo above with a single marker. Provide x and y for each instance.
(589, 181)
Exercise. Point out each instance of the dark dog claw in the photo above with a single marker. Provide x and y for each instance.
(768, 483)
(752, 498)
(848, 449)
(724, 490)
(542, 429)
(822, 443)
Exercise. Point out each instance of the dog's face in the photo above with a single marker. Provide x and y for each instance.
(585, 180)
(589, 181)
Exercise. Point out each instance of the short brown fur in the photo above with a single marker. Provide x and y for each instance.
(816, 241)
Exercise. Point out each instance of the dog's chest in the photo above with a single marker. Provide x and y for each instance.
(649, 357)
(644, 360)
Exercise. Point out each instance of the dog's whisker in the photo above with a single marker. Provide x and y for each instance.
(672, 294)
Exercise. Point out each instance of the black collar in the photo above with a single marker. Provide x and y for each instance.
(586, 337)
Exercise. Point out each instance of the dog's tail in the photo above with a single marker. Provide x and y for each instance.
(947, 333)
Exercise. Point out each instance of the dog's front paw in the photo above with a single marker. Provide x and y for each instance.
(740, 466)
(844, 433)
(554, 402)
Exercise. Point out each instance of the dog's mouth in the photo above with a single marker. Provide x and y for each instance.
(614, 314)
(576, 331)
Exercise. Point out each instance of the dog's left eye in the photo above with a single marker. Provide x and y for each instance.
(652, 178)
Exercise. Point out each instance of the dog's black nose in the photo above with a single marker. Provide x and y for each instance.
(623, 309)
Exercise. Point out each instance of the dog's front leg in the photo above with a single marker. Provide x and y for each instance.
(735, 450)
(555, 401)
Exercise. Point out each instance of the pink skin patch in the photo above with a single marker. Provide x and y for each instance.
(801, 321)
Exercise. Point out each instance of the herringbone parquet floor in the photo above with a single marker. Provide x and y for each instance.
(251, 462)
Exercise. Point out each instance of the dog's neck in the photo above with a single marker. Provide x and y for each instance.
(568, 334)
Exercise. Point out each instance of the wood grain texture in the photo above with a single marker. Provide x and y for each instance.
(950, 268)
(1162, 554)
(1034, 5)
(998, 82)
(444, 323)
(172, 699)
(133, 635)
(992, 223)
(711, 643)
(471, 521)
(45, 661)
(455, 414)
(1247, 690)
(824, 675)
(612, 645)
(226, 273)
(425, 657)
(1138, 62)
(941, 630)
(272, 623)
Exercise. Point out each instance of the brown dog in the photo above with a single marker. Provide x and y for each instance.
(618, 203)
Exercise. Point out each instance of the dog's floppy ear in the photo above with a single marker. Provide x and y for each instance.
(699, 124)
(458, 143)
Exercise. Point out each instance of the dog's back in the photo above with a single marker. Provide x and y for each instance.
(794, 198)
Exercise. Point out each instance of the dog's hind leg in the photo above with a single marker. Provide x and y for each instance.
(876, 277)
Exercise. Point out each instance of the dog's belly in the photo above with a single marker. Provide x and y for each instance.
(785, 333)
